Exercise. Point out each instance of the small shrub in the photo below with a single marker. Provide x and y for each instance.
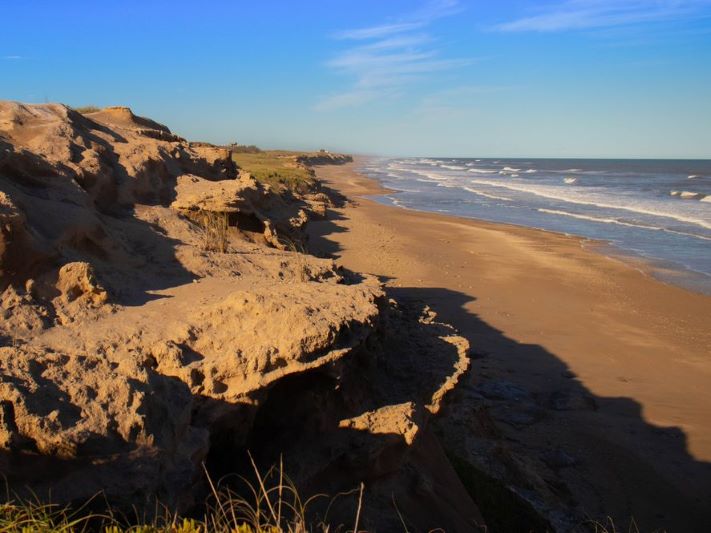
(214, 231)
(87, 109)
(280, 170)
(302, 272)
(244, 149)
(273, 505)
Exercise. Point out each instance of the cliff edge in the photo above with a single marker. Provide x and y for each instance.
(157, 316)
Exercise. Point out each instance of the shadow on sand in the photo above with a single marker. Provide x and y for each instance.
(597, 455)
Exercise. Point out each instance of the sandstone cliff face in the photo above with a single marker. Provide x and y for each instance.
(133, 349)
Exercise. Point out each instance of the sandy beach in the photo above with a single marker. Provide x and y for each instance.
(547, 312)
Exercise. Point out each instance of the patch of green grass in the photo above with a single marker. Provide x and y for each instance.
(244, 148)
(87, 109)
(278, 169)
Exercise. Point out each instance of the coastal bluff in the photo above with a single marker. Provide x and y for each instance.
(159, 321)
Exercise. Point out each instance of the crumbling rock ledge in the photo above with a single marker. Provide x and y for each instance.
(156, 315)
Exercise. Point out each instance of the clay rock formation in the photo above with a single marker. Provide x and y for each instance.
(156, 315)
(62, 174)
(148, 385)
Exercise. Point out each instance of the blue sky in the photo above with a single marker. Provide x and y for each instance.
(558, 78)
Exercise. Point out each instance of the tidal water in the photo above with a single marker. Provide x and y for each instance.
(656, 209)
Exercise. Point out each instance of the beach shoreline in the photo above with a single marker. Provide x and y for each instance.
(433, 186)
(547, 312)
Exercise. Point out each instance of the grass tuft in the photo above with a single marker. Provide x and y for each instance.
(215, 227)
(87, 109)
(272, 505)
(278, 169)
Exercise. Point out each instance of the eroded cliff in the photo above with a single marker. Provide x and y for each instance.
(157, 316)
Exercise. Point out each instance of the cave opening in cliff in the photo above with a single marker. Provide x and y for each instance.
(292, 427)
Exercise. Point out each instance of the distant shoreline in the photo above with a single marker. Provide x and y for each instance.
(541, 309)
(677, 275)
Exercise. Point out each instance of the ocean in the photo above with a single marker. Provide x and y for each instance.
(659, 210)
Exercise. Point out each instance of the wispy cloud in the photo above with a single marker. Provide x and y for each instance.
(588, 14)
(456, 101)
(12, 58)
(386, 58)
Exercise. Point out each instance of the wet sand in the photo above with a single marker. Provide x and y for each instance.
(544, 311)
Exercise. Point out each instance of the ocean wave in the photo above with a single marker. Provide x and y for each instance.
(569, 171)
(510, 169)
(453, 167)
(606, 220)
(531, 171)
(694, 176)
(486, 194)
(396, 202)
(688, 195)
(430, 175)
(481, 171)
(570, 180)
(610, 220)
(567, 197)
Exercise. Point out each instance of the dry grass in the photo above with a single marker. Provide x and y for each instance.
(609, 527)
(278, 169)
(302, 272)
(273, 506)
(87, 109)
(214, 230)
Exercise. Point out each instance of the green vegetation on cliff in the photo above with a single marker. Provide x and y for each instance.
(277, 169)
(283, 169)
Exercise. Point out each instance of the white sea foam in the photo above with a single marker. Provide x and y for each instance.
(531, 171)
(430, 175)
(486, 194)
(396, 202)
(610, 220)
(570, 180)
(606, 220)
(585, 198)
(694, 176)
(573, 171)
(481, 171)
(453, 167)
(688, 195)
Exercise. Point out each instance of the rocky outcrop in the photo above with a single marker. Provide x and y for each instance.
(152, 382)
(157, 315)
